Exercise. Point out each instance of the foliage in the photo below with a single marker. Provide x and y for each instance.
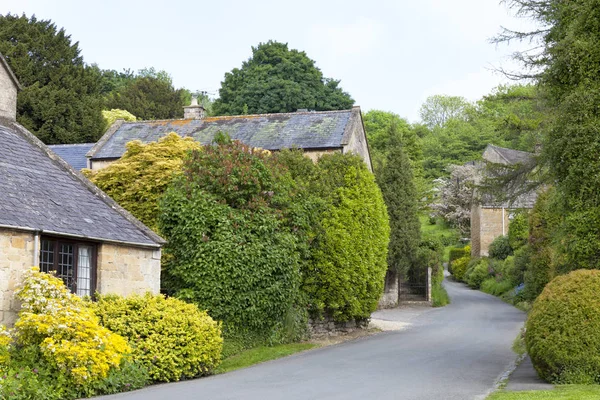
(477, 272)
(518, 230)
(562, 329)
(347, 276)
(500, 248)
(459, 266)
(276, 79)
(399, 193)
(456, 197)
(565, 392)
(495, 286)
(66, 331)
(149, 95)
(171, 338)
(60, 101)
(456, 253)
(230, 249)
(111, 116)
(429, 255)
(439, 109)
(138, 179)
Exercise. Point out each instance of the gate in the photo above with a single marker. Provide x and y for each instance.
(414, 286)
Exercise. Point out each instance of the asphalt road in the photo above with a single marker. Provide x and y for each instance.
(453, 353)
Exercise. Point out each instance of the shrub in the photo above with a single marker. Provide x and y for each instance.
(500, 248)
(5, 341)
(231, 248)
(495, 286)
(454, 254)
(138, 179)
(171, 338)
(459, 265)
(518, 230)
(66, 332)
(347, 276)
(477, 272)
(562, 329)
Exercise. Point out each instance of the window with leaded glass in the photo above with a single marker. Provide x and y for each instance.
(73, 262)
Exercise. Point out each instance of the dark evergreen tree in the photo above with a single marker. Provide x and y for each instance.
(277, 79)
(60, 102)
(397, 184)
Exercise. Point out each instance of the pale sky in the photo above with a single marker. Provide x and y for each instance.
(389, 55)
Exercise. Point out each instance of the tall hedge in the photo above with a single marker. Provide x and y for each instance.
(230, 248)
(346, 277)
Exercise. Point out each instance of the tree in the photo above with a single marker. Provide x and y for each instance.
(456, 197)
(399, 192)
(139, 179)
(439, 109)
(150, 95)
(60, 101)
(276, 79)
(110, 116)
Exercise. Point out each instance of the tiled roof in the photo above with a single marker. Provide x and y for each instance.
(512, 156)
(524, 200)
(306, 130)
(39, 191)
(74, 154)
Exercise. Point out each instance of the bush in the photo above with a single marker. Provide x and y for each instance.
(500, 248)
(562, 329)
(477, 272)
(495, 286)
(459, 266)
(456, 253)
(518, 230)
(347, 276)
(231, 248)
(66, 331)
(171, 338)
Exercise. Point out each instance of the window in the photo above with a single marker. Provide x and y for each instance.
(73, 262)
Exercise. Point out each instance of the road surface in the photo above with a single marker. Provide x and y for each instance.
(452, 353)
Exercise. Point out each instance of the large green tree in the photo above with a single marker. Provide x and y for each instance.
(60, 101)
(276, 79)
(149, 95)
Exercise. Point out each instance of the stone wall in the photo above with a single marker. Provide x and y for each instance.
(493, 222)
(327, 327)
(475, 230)
(126, 270)
(8, 95)
(389, 299)
(16, 256)
(315, 155)
(97, 165)
(357, 144)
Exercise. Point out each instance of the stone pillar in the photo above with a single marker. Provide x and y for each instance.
(429, 271)
(193, 111)
(389, 299)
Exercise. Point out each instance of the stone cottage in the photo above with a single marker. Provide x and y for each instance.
(489, 216)
(73, 154)
(316, 133)
(53, 218)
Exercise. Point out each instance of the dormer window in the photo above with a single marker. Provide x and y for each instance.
(72, 261)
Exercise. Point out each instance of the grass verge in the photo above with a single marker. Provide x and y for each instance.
(257, 355)
(567, 392)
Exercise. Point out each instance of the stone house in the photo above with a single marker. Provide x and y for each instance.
(316, 133)
(53, 218)
(73, 154)
(489, 216)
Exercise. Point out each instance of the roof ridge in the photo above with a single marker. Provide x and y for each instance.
(507, 148)
(245, 115)
(150, 234)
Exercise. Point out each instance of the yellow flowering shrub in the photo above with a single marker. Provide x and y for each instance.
(5, 341)
(171, 338)
(66, 330)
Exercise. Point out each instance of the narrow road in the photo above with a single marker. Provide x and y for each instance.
(453, 353)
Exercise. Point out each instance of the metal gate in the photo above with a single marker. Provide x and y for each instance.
(413, 286)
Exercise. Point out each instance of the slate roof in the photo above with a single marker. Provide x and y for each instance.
(73, 154)
(511, 156)
(525, 200)
(305, 130)
(39, 191)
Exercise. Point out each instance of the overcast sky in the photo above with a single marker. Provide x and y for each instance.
(389, 55)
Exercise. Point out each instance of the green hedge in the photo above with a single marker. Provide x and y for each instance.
(477, 272)
(562, 329)
(459, 266)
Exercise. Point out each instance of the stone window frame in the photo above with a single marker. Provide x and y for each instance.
(57, 241)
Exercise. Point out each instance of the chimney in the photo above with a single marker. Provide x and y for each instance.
(194, 110)
(9, 86)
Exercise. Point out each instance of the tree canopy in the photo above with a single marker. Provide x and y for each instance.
(276, 79)
(60, 101)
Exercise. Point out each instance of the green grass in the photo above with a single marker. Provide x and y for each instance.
(519, 343)
(257, 355)
(449, 237)
(567, 392)
(439, 296)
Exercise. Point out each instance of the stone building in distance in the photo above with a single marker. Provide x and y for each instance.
(53, 218)
(316, 133)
